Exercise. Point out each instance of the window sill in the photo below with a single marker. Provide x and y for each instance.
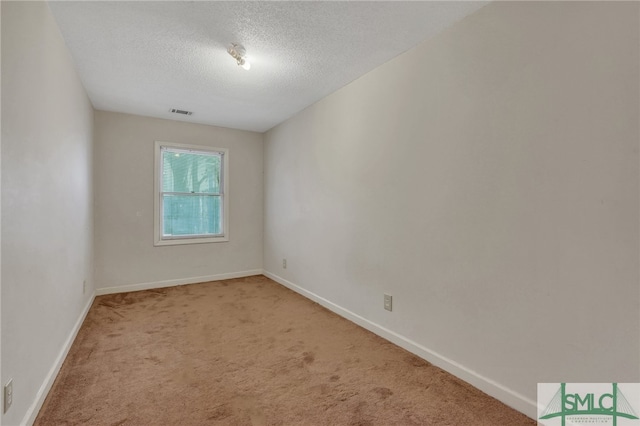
(181, 241)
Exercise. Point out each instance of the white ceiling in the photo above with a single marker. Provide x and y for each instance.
(147, 57)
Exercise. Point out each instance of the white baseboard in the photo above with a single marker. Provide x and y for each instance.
(179, 281)
(501, 393)
(33, 411)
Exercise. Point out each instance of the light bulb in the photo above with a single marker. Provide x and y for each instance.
(238, 53)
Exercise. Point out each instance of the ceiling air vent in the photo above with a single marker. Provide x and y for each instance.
(180, 111)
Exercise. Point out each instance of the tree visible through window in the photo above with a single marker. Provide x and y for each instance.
(191, 194)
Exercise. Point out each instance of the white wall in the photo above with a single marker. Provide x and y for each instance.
(488, 180)
(1, 213)
(125, 255)
(47, 126)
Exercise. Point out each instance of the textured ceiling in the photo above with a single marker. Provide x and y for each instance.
(147, 57)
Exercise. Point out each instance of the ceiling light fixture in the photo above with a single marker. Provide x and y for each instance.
(238, 52)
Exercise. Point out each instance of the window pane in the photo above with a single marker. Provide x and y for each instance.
(183, 171)
(191, 215)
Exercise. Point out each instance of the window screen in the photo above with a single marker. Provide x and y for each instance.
(191, 193)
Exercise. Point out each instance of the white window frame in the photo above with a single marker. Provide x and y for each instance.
(159, 240)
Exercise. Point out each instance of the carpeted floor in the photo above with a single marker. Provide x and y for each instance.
(249, 352)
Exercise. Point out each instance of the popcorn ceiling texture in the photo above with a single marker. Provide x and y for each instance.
(249, 352)
(147, 57)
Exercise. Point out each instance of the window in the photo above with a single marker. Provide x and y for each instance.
(190, 194)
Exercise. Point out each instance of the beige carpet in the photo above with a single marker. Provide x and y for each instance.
(249, 352)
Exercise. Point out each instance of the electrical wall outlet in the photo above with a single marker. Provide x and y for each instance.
(387, 302)
(284, 263)
(8, 395)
